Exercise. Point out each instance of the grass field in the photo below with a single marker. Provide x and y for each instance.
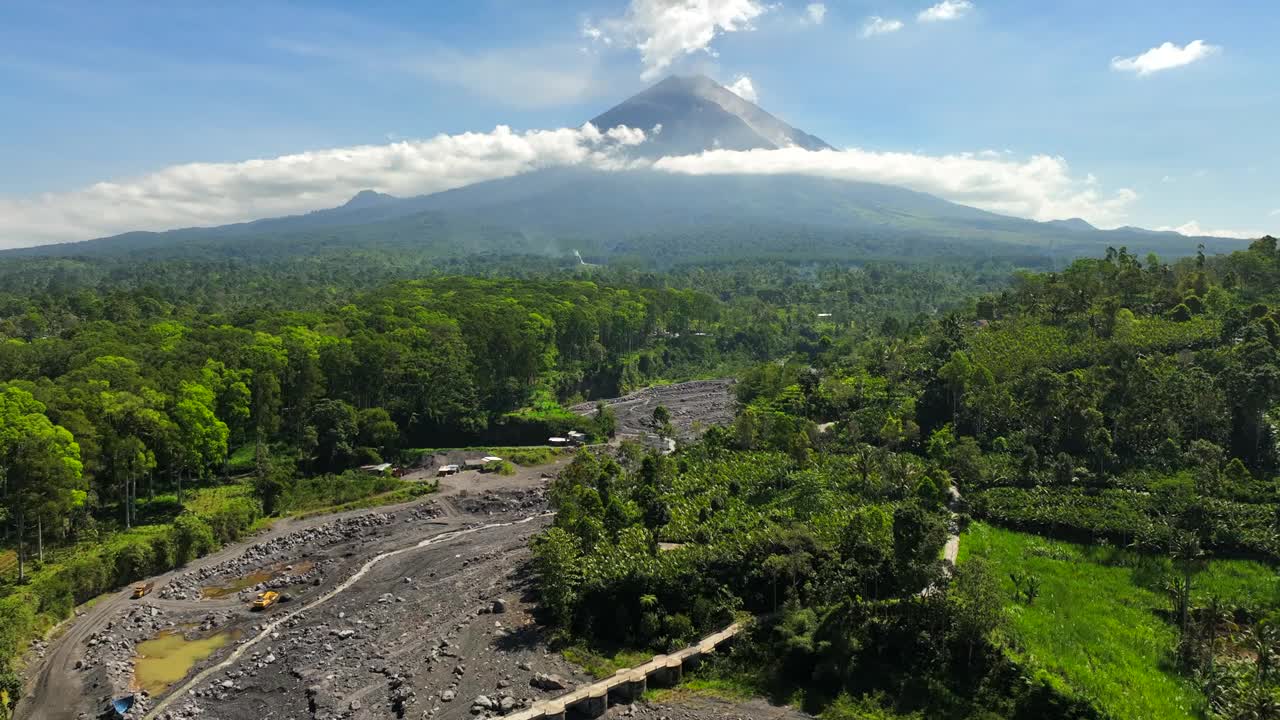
(600, 665)
(1099, 623)
(402, 493)
(1092, 626)
(1252, 586)
(205, 500)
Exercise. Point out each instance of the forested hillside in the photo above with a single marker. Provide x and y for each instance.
(1125, 403)
(130, 393)
(149, 415)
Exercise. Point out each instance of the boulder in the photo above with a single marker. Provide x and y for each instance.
(544, 681)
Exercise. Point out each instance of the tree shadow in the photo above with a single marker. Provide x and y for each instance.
(526, 637)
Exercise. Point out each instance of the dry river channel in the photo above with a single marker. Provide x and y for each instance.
(404, 611)
(421, 610)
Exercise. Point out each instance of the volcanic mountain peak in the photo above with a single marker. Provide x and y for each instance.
(686, 114)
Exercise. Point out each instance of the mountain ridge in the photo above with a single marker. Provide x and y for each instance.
(550, 210)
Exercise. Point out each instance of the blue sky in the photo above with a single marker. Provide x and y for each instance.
(98, 92)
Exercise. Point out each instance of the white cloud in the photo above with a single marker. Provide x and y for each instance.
(743, 88)
(665, 30)
(217, 193)
(817, 12)
(1164, 57)
(591, 32)
(1194, 228)
(1040, 187)
(945, 10)
(877, 25)
(1275, 212)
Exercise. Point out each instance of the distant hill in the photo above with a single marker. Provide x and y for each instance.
(1073, 224)
(657, 217)
(369, 199)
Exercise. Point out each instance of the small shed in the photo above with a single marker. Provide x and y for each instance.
(577, 438)
(473, 464)
(446, 470)
(378, 469)
(557, 441)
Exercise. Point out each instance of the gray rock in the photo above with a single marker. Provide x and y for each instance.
(484, 702)
(544, 681)
(447, 696)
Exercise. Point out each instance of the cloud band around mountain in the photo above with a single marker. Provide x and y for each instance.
(1040, 188)
(201, 194)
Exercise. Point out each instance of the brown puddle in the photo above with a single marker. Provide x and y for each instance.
(169, 656)
(235, 586)
(247, 581)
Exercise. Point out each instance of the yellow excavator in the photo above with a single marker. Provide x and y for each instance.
(266, 600)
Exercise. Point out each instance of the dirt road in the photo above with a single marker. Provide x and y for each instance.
(421, 610)
(57, 683)
(91, 660)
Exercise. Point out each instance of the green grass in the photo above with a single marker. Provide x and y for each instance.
(242, 460)
(405, 493)
(1098, 623)
(524, 455)
(207, 500)
(870, 707)
(601, 666)
(1245, 584)
(724, 688)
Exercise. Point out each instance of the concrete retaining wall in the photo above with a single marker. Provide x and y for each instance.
(628, 685)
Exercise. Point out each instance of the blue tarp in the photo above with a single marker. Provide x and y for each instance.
(122, 705)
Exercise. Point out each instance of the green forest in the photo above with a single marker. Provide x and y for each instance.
(1114, 420)
(1109, 431)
